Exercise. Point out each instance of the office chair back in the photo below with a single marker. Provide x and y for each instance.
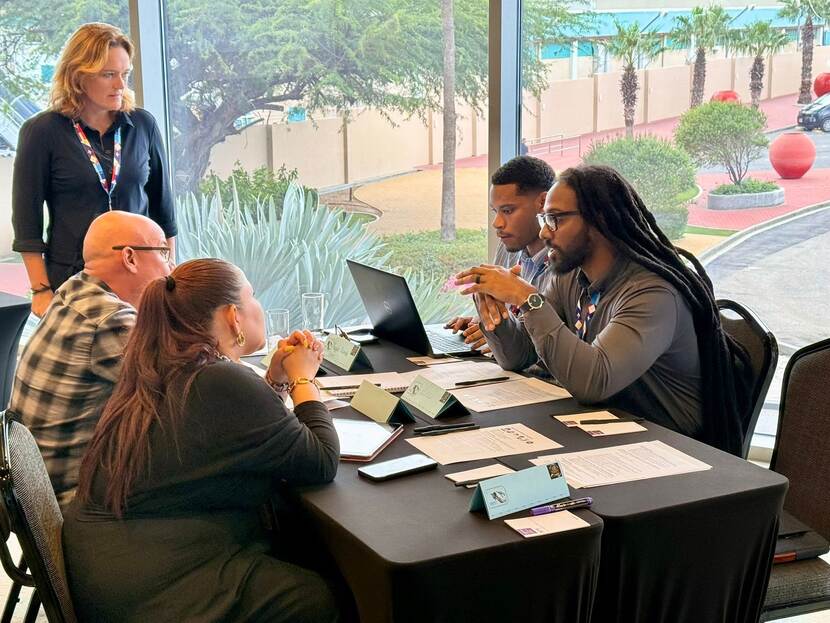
(35, 518)
(747, 329)
(802, 445)
(14, 311)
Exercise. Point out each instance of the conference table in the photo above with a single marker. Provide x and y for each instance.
(695, 547)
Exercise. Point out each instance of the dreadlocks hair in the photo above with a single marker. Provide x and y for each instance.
(609, 203)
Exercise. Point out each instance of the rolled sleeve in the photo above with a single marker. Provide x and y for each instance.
(30, 185)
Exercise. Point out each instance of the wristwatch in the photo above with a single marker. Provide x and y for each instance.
(534, 301)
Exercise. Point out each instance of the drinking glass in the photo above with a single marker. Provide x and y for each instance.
(276, 325)
(314, 307)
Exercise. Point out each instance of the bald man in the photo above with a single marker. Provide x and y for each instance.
(70, 364)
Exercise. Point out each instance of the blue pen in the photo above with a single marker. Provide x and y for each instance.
(562, 506)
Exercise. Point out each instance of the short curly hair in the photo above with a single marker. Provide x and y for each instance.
(83, 55)
(531, 175)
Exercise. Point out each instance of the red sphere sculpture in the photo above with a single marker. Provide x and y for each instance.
(792, 154)
(821, 84)
(725, 96)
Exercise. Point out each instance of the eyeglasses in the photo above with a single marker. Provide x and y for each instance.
(165, 251)
(551, 219)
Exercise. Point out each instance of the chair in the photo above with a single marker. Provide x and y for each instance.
(802, 454)
(760, 344)
(30, 510)
(14, 311)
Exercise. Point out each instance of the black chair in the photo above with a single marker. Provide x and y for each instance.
(29, 510)
(802, 454)
(760, 344)
(14, 311)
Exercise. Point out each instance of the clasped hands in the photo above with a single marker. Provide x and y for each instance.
(493, 289)
(297, 356)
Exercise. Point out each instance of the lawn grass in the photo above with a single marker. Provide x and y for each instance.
(426, 252)
(709, 231)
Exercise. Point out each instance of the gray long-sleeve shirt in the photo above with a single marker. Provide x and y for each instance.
(640, 353)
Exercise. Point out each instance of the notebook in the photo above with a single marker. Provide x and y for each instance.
(394, 316)
(363, 440)
(346, 386)
(796, 541)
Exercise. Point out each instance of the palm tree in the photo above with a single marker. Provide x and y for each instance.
(703, 29)
(632, 46)
(758, 40)
(803, 11)
(448, 166)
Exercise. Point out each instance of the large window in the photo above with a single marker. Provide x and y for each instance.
(30, 43)
(617, 88)
(307, 133)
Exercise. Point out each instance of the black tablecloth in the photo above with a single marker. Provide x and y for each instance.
(694, 547)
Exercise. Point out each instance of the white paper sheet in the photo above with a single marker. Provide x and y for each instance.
(479, 473)
(530, 527)
(446, 376)
(526, 391)
(600, 430)
(484, 443)
(636, 461)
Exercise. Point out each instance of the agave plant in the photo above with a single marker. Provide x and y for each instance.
(298, 249)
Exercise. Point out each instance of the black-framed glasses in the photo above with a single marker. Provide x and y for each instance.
(165, 251)
(551, 219)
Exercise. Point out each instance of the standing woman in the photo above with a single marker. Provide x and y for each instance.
(90, 152)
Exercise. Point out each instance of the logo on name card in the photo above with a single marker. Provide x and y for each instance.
(499, 495)
(554, 471)
(445, 397)
(354, 350)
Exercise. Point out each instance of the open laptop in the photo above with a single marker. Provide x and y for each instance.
(394, 316)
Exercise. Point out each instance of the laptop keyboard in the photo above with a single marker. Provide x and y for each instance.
(447, 343)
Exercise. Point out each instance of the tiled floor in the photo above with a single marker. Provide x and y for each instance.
(819, 617)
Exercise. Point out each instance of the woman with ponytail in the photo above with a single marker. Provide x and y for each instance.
(165, 525)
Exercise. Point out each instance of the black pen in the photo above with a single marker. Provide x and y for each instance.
(424, 429)
(477, 381)
(444, 431)
(617, 421)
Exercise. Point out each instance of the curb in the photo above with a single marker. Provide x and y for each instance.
(711, 254)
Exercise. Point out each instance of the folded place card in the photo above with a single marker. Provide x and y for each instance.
(520, 490)
(345, 354)
(432, 399)
(380, 405)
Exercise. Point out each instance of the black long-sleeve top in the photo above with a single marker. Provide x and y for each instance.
(52, 166)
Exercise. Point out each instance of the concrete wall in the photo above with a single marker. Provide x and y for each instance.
(6, 233)
(668, 92)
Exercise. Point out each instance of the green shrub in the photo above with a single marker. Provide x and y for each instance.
(297, 247)
(260, 185)
(425, 252)
(725, 134)
(662, 174)
(747, 186)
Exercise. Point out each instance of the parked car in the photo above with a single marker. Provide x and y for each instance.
(816, 115)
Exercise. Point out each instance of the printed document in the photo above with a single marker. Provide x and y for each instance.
(484, 443)
(448, 375)
(611, 426)
(636, 461)
(526, 391)
(529, 527)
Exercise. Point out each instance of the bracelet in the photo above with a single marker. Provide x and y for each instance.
(289, 387)
(302, 381)
(43, 288)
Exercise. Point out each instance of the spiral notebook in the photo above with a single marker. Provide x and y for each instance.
(346, 386)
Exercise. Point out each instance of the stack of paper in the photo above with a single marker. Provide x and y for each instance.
(526, 391)
(636, 461)
(346, 385)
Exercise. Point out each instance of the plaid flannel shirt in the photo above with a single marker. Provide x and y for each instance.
(66, 372)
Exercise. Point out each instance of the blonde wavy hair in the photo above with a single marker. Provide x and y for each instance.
(85, 54)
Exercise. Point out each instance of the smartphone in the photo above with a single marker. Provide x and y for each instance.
(386, 470)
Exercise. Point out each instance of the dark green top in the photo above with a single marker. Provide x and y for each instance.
(191, 533)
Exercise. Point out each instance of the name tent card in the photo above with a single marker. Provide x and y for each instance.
(432, 399)
(380, 405)
(520, 490)
(345, 354)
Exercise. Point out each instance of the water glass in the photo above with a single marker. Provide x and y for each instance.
(276, 326)
(313, 306)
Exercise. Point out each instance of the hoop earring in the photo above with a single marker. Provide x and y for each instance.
(240, 338)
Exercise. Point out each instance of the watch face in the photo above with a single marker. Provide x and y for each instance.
(534, 301)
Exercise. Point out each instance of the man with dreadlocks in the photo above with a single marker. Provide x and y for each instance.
(625, 321)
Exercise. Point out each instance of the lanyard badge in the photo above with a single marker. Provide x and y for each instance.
(116, 161)
(582, 326)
